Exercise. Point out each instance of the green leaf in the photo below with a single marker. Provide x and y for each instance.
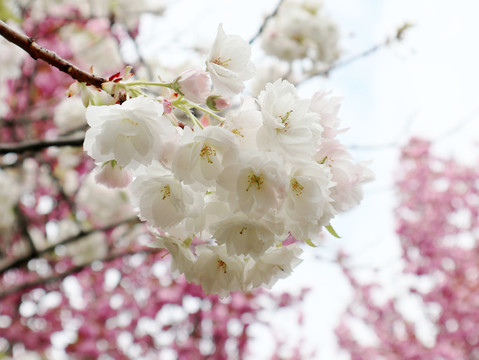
(310, 243)
(332, 231)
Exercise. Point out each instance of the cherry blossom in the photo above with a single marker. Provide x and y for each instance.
(131, 133)
(229, 63)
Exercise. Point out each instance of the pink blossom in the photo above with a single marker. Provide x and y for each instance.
(218, 103)
(194, 85)
(112, 175)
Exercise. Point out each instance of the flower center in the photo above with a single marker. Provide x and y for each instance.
(256, 180)
(285, 117)
(221, 265)
(220, 62)
(237, 132)
(296, 187)
(284, 121)
(207, 151)
(166, 191)
(130, 121)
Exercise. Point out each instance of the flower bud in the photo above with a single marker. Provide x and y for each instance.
(218, 102)
(167, 106)
(193, 85)
(112, 175)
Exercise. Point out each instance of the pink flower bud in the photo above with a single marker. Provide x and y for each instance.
(167, 106)
(194, 85)
(112, 175)
(218, 102)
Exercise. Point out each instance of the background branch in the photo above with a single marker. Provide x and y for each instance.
(265, 22)
(73, 270)
(399, 36)
(39, 145)
(25, 259)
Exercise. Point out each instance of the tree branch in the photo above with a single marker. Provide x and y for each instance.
(73, 270)
(38, 52)
(398, 37)
(265, 22)
(25, 259)
(39, 145)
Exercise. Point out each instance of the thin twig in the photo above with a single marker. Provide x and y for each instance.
(265, 22)
(20, 261)
(399, 36)
(38, 52)
(73, 270)
(39, 145)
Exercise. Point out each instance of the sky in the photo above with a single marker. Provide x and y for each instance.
(424, 86)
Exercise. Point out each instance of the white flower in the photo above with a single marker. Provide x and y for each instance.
(246, 236)
(131, 133)
(216, 271)
(348, 175)
(307, 231)
(327, 108)
(229, 63)
(256, 183)
(244, 123)
(182, 258)
(308, 205)
(299, 30)
(162, 199)
(70, 114)
(112, 175)
(308, 197)
(277, 263)
(200, 155)
(288, 126)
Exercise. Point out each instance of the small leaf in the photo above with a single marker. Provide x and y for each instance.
(332, 231)
(310, 243)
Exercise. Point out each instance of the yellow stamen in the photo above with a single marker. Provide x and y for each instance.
(207, 151)
(220, 62)
(237, 132)
(296, 187)
(255, 180)
(166, 191)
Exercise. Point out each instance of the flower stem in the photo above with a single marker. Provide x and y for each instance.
(220, 118)
(147, 83)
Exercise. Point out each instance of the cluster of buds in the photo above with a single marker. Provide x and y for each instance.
(231, 198)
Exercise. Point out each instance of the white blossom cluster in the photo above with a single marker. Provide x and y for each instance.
(230, 201)
(300, 30)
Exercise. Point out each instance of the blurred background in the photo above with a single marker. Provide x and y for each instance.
(399, 283)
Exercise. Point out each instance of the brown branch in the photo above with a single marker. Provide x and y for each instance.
(38, 52)
(73, 270)
(39, 145)
(265, 22)
(20, 261)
